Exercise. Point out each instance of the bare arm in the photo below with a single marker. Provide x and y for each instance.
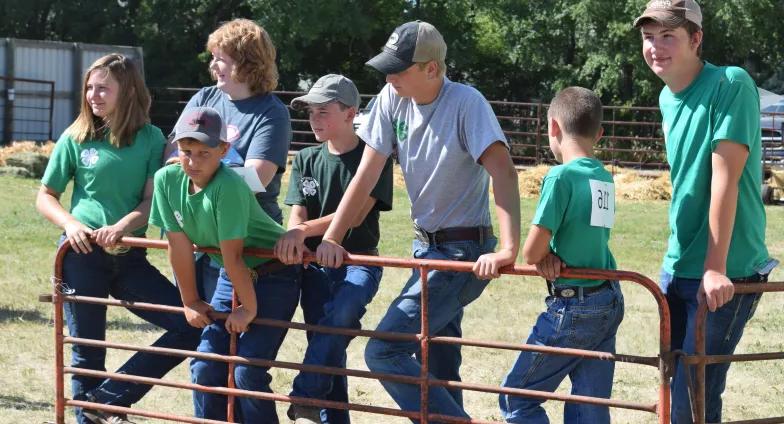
(499, 165)
(536, 251)
(78, 235)
(291, 245)
(181, 260)
(240, 318)
(329, 252)
(728, 161)
(264, 168)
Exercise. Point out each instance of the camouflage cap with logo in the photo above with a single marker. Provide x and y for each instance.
(671, 13)
(410, 43)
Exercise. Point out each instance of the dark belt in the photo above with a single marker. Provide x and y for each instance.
(368, 252)
(478, 234)
(270, 267)
(574, 291)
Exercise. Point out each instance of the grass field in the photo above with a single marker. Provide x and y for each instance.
(505, 312)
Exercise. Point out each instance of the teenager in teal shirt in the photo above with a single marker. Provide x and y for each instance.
(110, 153)
(571, 227)
(202, 201)
(717, 220)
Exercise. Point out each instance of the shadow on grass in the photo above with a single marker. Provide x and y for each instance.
(21, 404)
(12, 315)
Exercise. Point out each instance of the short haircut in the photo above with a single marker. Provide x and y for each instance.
(253, 52)
(578, 111)
(675, 23)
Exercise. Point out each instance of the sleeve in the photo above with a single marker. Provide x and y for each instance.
(736, 114)
(294, 195)
(157, 144)
(479, 127)
(552, 204)
(382, 192)
(378, 131)
(233, 211)
(272, 138)
(62, 165)
(161, 214)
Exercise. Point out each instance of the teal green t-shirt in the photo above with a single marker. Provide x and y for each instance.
(577, 205)
(722, 103)
(224, 210)
(108, 182)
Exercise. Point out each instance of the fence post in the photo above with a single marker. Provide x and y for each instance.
(538, 158)
(8, 112)
(425, 348)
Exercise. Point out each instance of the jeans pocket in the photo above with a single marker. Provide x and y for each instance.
(589, 328)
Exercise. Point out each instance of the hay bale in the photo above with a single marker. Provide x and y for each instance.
(15, 171)
(32, 161)
(23, 147)
(529, 180)
(631, 185)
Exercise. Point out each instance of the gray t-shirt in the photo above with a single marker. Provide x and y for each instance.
(258, 127)
(438, 145)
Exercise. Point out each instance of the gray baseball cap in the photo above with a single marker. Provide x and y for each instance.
(410, 43)
(329, 88)
(201, 123)
(671, 13)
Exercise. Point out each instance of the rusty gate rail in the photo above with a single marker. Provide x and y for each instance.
(663, 361)
(700, 359)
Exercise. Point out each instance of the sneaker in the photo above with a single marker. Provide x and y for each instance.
(305, 414)
(103, 417)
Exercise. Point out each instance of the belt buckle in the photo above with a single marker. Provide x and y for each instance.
(568, 293)
(254, 275)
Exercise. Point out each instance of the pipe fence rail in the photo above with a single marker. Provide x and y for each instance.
(663, 360)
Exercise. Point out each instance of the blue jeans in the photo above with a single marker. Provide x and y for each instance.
(724, 329)
(349, 289)
(277, 295)
(449, 293)
(588, 323)
(125, 277)
(207, 274)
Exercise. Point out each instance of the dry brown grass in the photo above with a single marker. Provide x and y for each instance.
(630, 184)
(25, 146)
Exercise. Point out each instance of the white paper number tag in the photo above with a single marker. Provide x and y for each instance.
(602, 204)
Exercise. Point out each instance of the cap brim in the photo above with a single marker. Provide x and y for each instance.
(388, 64)
(667, 19)
(310, 99)
(199, 136)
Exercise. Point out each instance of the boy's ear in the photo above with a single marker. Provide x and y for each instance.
(599, 134)
(224, 148)
(553, 129)
(696, 39)
(352, 112)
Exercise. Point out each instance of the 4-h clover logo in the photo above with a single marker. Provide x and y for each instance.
(178, 217)
(401, 130)
(309, 186)
(89, 157)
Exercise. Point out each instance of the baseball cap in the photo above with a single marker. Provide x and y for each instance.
(201, 123)
(329, 88)
(412, 42)
(671, 13)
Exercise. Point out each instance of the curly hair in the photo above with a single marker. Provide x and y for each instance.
(252, 50)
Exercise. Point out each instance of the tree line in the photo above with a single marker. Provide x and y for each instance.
(516, 50)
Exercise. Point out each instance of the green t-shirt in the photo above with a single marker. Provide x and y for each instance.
(108, 182)
(224, 210)
(722, 103)
(577, 205)
(318, 182)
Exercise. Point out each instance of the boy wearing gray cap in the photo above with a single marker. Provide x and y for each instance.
(449, 144)
(334, 297)
(202, 201)
(717, 220)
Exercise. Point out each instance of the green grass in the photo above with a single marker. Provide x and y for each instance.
(505, 312)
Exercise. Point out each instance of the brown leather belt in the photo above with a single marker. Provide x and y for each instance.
(270, 267)
(368, 252)
(478, 234)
